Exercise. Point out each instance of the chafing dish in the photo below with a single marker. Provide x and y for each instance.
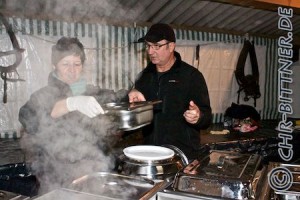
(104, 185)
(5, 195)
(63, 194)
(219, 175)
(157, 168)
(287, 188)
(130, 116)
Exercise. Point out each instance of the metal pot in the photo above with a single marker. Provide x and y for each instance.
(156, 170)
(130, 116)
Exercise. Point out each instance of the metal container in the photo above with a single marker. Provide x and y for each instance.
(130, 116)
(154, 170)
(221, 174)
(104, 185)
(290, 189)
(5, 195)
(63, 194)
(157, 170)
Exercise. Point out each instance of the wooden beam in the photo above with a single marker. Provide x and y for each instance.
(270, 5)
(288, 3)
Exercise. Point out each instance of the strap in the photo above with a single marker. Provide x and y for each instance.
(253, 61)
(198, 55)
(242, 81)
(4, 70)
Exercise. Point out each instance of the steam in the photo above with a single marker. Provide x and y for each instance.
(90, 10)
(62, 152)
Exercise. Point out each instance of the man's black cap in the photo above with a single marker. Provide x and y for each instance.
(158, 32)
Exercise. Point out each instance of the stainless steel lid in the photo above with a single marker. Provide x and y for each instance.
(223, 174)
(111, 185)
(230, 165)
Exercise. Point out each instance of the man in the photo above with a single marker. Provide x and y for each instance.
(185, 107)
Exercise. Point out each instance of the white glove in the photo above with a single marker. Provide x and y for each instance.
(87, 105)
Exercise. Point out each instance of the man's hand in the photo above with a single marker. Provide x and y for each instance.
(192, 115)
(136, 96)
(87, 105)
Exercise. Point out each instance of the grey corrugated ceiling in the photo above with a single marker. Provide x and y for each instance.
(231, 16)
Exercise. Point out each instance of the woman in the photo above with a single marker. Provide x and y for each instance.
(67, 135)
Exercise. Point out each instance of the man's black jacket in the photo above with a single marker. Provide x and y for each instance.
(176, 88)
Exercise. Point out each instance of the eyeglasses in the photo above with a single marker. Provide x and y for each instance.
(155, 46)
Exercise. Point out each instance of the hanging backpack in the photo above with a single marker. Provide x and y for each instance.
(248, 83)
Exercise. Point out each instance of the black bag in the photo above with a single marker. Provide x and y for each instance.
(242, 118)
(249, 83)
(237, 111)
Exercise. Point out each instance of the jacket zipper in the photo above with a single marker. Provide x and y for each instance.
(159, 84)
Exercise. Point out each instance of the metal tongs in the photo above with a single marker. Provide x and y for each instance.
(127, 106)
(139, 104)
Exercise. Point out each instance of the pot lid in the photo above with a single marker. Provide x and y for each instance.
(225, 164)
(148, 152)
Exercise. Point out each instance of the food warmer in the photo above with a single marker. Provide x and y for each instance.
(219, 175)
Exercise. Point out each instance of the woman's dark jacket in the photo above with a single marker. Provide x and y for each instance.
(176, 88)
(54, 145)
(35, 114)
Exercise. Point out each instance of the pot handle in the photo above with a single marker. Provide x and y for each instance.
(139, 104)
(178, 152)
(156, 188)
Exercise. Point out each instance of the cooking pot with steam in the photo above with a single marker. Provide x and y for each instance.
(152, 162)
